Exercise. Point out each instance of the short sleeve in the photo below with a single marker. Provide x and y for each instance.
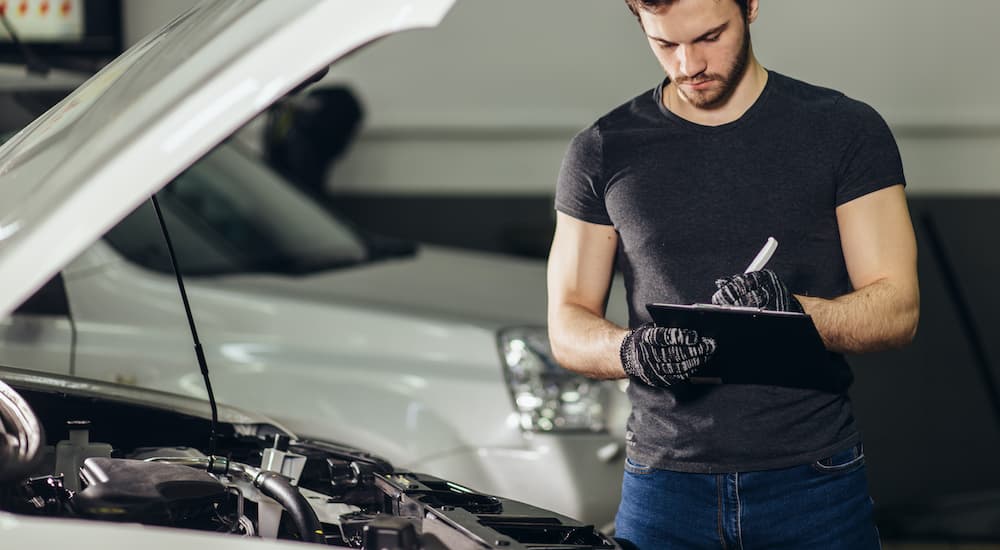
(871, 158)
(580, 189)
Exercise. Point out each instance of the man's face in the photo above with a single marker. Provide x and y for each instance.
(703, 45)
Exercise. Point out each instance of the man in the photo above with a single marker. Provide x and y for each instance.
(682, 185)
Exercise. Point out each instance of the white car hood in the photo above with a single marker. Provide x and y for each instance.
(81, 167)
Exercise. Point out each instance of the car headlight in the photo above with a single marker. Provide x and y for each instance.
(546, 396)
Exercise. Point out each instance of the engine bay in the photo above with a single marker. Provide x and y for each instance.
(111, 460)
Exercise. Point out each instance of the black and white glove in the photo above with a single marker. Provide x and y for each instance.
(761, 289)
(661, 356)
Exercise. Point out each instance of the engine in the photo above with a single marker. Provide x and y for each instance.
(108, 460)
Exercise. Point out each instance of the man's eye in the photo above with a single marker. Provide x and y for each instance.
(667, 46)
(712, 38)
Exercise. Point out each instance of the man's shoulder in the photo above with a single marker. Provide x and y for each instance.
(804, 93)
(635, 114)
(817, 98)
(639, 111)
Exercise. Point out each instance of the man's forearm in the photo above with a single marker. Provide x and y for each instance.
(585, 342)
(880, 316)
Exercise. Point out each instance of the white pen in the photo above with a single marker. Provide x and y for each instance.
(763, 256)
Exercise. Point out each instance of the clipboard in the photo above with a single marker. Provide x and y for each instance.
(756, 346)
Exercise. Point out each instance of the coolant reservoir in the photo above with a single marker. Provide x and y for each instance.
(71, 454)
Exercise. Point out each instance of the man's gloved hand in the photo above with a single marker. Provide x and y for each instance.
(761, 289)
(661, 356)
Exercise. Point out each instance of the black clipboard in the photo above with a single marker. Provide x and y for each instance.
(756, 346)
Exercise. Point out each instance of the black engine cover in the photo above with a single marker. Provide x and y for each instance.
(152, 493)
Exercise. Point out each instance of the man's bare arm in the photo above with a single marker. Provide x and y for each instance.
(581, 265)
(881, 255)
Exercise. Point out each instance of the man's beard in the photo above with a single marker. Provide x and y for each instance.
(712, 98)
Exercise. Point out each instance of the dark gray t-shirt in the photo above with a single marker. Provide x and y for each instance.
(693, 203)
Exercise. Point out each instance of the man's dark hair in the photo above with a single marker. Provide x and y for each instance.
(653, 5)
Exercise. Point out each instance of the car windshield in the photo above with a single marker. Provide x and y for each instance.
(228, 213)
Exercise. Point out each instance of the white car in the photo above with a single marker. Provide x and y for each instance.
(437, 360)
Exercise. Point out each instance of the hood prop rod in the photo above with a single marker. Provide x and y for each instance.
(199, 352)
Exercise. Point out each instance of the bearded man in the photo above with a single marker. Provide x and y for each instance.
(679, 187)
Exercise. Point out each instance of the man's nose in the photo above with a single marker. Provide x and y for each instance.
(692, 61)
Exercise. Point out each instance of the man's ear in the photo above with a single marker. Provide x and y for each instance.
(753, 7)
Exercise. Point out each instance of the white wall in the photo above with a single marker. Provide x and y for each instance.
(487, 102)
(502, 86)
(142, 17)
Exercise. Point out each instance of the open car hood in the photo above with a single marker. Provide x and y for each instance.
(129, 130)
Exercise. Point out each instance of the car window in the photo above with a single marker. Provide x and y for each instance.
(138, 237)
(229, 213)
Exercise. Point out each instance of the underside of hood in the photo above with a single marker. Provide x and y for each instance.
(146, 117)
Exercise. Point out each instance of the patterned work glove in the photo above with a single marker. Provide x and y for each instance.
(661, 356)
(761, 289)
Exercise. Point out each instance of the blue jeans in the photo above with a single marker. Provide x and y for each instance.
(823, 505)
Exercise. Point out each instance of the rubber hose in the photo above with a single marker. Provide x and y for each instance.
(277, 487)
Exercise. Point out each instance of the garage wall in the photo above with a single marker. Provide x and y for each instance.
(486, 103)
(141, 17)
